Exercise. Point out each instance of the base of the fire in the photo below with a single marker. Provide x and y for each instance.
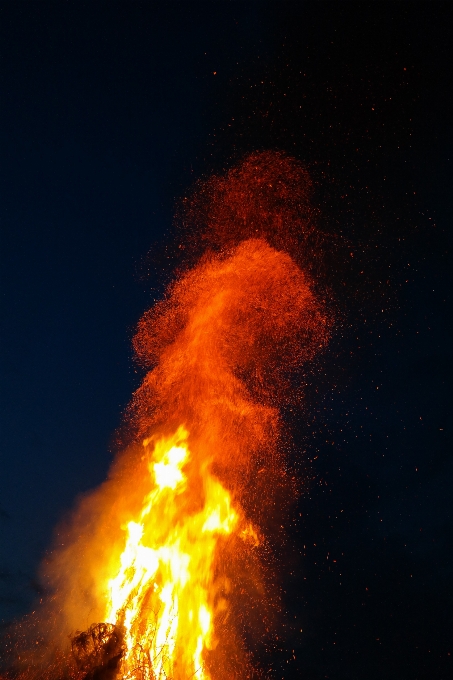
(98, 652)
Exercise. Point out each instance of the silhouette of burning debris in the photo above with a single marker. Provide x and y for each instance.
(94, 654)
(98, 651)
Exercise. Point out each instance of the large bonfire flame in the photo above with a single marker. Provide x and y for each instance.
(167, 554)
(163, 592)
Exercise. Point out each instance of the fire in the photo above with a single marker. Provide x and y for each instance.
(161, 567)
(162, 595)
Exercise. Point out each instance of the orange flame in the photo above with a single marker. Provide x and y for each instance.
(168, 549)
(162, 593)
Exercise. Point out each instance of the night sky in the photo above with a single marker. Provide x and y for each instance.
(109, 113)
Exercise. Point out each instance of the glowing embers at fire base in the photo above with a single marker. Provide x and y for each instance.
(163, 596)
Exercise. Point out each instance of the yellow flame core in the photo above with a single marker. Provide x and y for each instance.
(162, 595)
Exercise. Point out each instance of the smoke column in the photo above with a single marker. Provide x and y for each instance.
(219, 351)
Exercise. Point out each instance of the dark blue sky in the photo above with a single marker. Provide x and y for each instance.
(109, 111)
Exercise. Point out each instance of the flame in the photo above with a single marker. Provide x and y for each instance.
(162, 593)
(161, 567)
